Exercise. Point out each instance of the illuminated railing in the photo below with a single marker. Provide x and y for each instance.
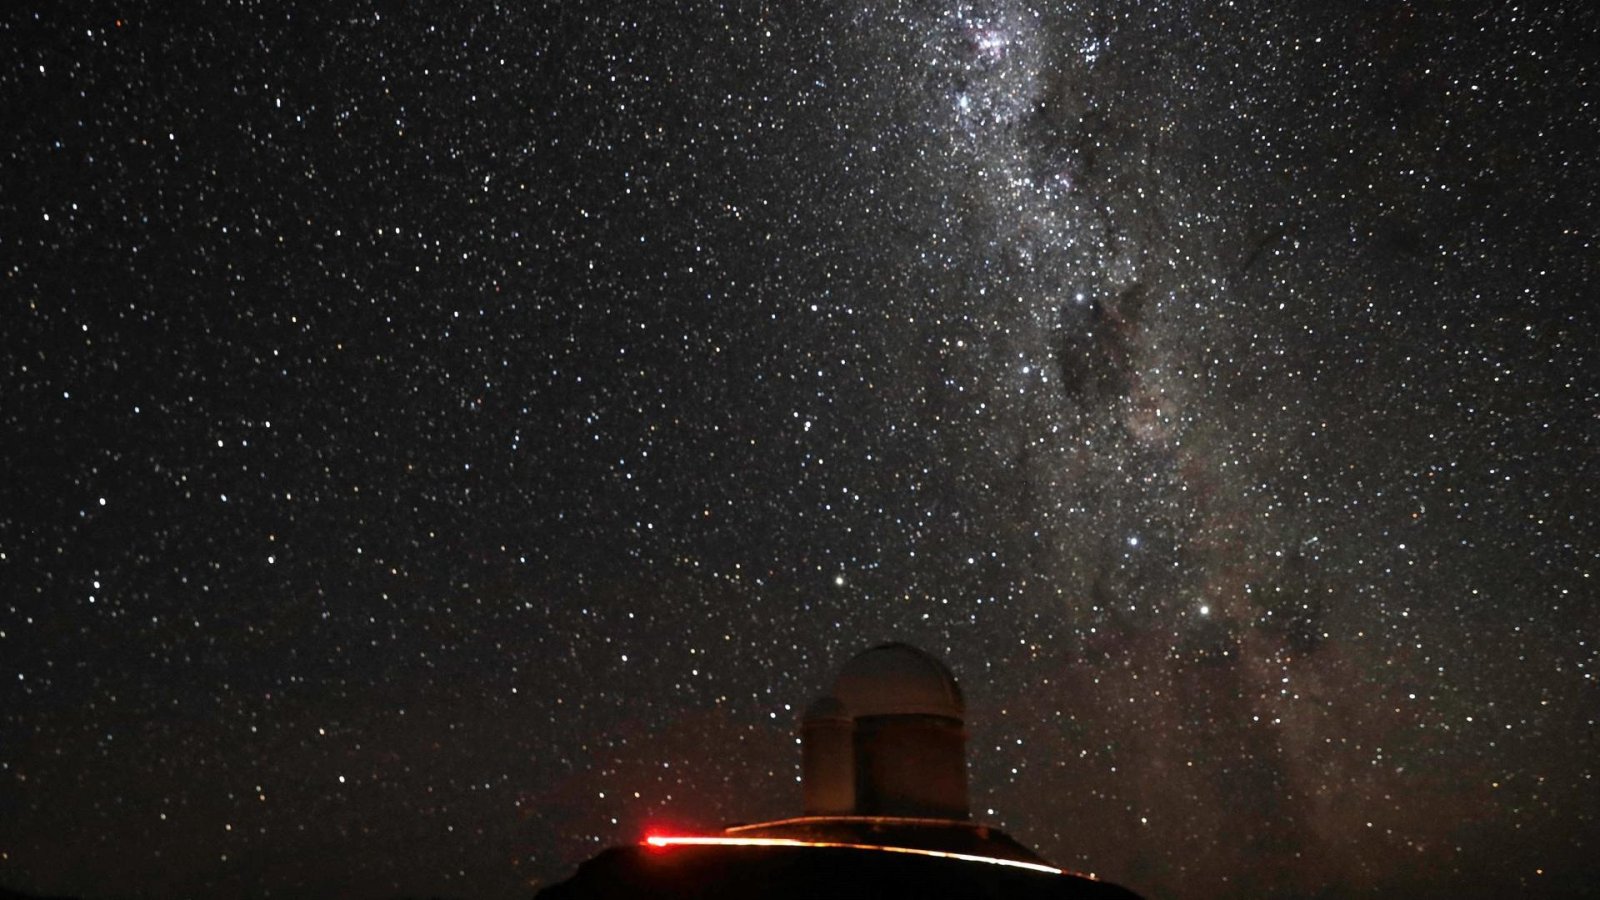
(913, 821)
(656, 840)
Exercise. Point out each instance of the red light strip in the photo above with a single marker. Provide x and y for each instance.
(660, 841)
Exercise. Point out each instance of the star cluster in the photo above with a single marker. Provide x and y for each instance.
(446, 439)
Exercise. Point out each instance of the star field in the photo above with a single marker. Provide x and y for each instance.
(445, 440)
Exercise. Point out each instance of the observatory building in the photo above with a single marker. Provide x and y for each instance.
(884, 814)
(890, 740)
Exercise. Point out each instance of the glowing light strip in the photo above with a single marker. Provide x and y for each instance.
(659, 841)
(874, 820)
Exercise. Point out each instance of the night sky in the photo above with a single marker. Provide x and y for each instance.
(442, 440)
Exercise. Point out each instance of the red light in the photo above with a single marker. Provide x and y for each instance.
(661, 841)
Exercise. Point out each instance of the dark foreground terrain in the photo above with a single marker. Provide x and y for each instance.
(780, 873)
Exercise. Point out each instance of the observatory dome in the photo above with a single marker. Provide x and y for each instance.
(898, 679)
(826, 707)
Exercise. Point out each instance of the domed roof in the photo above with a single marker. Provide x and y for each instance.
(898, 679)
(826, 707)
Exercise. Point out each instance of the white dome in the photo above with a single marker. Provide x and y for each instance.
(898, 679)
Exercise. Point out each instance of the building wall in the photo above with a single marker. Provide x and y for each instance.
(910, 765)
(827, 767)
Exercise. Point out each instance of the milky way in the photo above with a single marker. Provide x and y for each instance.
(446, 440)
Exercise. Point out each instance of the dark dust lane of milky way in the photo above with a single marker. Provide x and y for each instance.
(442, 440)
